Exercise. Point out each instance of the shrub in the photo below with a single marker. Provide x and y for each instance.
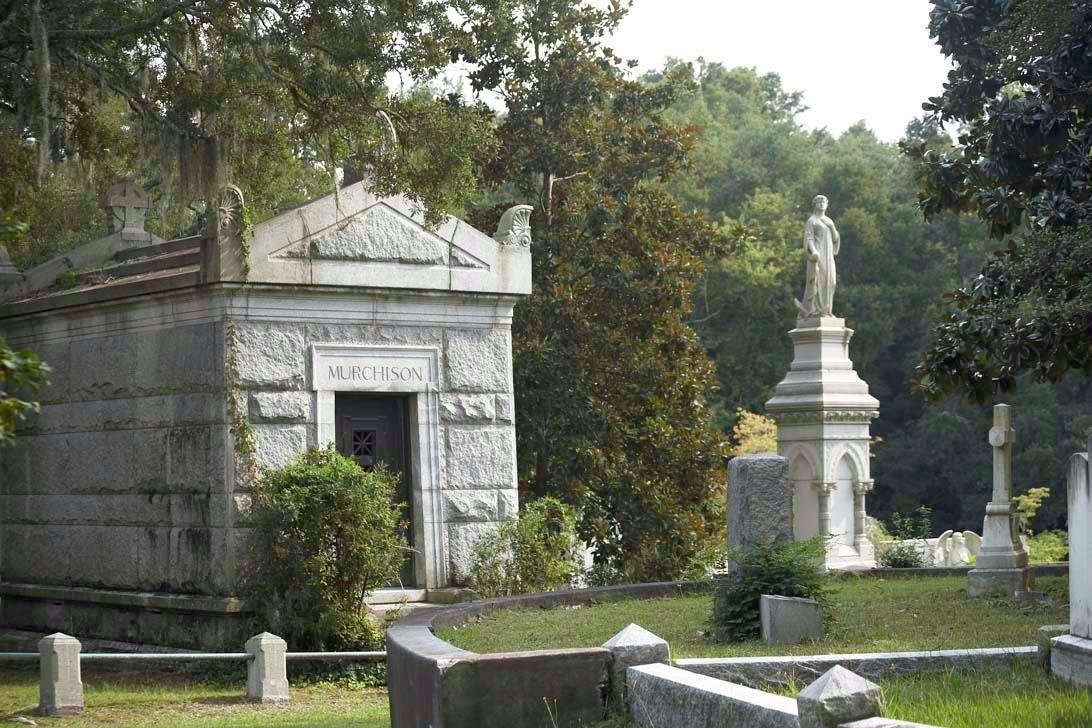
(917, 524)
(326, 533)
(790, 570)
(900, 556)
(536, 553)
(1048, 546)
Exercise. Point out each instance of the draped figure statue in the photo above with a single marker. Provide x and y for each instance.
(821, 243)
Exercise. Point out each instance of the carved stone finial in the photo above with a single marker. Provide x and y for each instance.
(126, 204)
(229, 213)
(514, 227)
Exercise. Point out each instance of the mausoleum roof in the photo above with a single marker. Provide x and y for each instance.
(349, 238)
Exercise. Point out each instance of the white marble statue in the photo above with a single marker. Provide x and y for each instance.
(821, 243)
(955, 549)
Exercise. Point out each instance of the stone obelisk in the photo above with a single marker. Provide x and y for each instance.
(1001, 567)
(823, 412)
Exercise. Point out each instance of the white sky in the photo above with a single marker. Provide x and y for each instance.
(853, 59)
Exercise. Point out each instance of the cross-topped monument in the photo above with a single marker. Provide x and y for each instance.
(1002, 562)
(126, 204)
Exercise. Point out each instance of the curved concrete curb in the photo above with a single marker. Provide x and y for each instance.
(432, 683)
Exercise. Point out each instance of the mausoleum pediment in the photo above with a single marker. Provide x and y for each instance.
(354, 238)
(381, 234)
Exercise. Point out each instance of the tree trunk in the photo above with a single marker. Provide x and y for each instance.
(42, 73)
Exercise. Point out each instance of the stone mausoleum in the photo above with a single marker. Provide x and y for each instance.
(346, 320)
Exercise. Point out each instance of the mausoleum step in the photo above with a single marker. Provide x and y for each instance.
(149, 251)
(165, 261)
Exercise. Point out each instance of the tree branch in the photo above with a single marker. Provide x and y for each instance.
(131, 29)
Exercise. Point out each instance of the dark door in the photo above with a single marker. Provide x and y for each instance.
(372, 430)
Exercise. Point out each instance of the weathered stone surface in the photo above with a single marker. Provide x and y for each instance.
(505, 409)
(1071, 659)
(1080, 546)
(480, 458)
(759, 501)
(507, 504)
(461, 539)
(266, 672)
(1043, 637)
(275, 445)
(470, 505)
(467, 408)
(838, 696)
(633, 646)
(271, 356)
(998, 582)
(758, 671)
(478, 361)
(667, 697)
(380, 235)
(60, 690)
(280, 406)
(788, 620)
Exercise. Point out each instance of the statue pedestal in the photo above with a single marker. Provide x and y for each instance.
(823, 412)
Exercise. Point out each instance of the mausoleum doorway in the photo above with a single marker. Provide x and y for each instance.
(372, 431)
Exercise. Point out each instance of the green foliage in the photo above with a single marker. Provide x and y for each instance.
(538, 552)
(753, 433)
(789, 570)
(1021, 91)
(610, 380)
(20, 372)
(913, 525)
(272, 96)
(67, 279)
(900, 556)
(1048, 546)
(326, 533)
(1028, 504)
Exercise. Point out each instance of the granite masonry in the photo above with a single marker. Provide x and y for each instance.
(347, 320)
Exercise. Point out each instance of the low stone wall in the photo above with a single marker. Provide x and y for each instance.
(1058, 568)
(758, 671)
(433, 684)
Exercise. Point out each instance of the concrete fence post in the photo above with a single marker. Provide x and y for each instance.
(838, 696)
(633, 646)
(267, 672)
(60, 687)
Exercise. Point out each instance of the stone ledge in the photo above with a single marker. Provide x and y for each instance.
(760, 671)
(1056, 568)
(148, 600)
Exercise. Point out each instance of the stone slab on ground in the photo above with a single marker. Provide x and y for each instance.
(789, 620)
(667, 697)
(838, 696)
(1071, 659)
(885, 723)
(759, 501)
(759, 671)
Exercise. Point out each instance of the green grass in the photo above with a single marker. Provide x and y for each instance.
(172, 700)
(868, 615)
(1024, 696)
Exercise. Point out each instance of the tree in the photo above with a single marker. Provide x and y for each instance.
(610, 381)
(20, 371)
(1022, 91)
(185, 94)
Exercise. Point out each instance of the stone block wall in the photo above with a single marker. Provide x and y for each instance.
(119, 482)
(474, 398)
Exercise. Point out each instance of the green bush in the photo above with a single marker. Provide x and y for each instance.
(900, 556)
(326, 533)
(917, 524)
(536, 553)
(1048, 546)
(790, 570)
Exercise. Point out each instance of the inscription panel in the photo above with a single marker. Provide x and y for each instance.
(349, 368)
